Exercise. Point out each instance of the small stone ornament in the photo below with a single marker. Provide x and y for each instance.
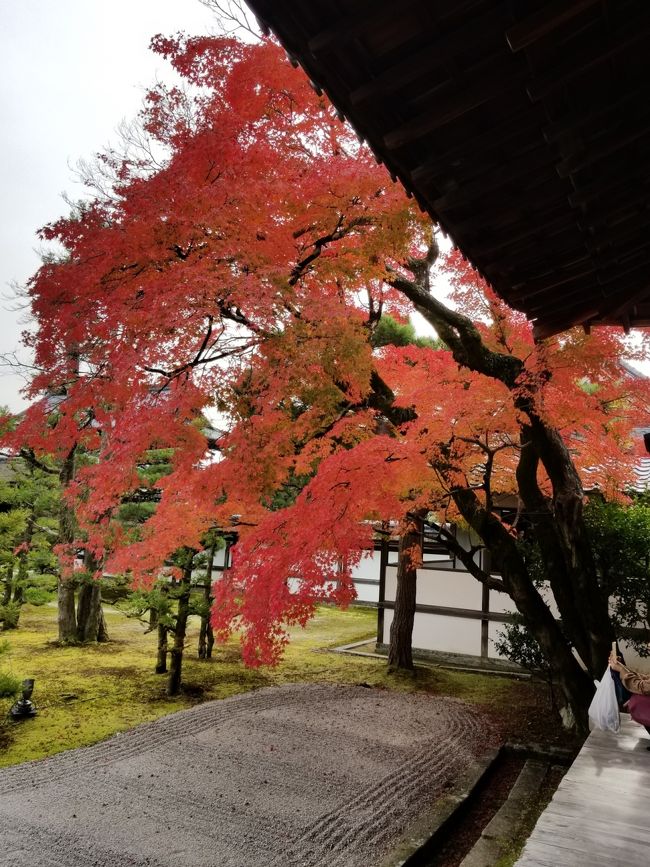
(24, 707)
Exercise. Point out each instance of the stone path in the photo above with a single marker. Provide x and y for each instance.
(297, 775)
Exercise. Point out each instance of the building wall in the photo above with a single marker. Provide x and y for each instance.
(366, 577)
(466, 617)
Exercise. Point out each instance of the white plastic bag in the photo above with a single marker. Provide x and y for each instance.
(603, 710)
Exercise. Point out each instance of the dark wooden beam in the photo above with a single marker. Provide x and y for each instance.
(544, 21)
(445, 47)
(553, 279)
(615, 105)
(616, 210)
(464, 613)
(470, 192)
(550, 325)
(599, 51)
(616, 306)
(603, 296)
(621, 179)
(537, 232)
(367, 15)
(488, 80)
(489, 139)
(605, 146)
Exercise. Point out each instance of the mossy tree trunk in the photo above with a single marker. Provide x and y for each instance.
(180, 628)
(9, 585)
(91, 625)
(23, 570)
(163, 649)
(206, 635)
(66, 616)
(159, 623)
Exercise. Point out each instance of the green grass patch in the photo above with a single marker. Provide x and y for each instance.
(85, 694)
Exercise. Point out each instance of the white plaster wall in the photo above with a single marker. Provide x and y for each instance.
(454, 589)
(368, 566)
(493, 633)
(437, 632)
(500, 603)
(391, 583)
(448, 588)
(220, 558)
(367, 592)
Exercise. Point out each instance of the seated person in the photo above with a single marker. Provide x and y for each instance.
(637, 684)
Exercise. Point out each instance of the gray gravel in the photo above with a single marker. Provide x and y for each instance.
(297, 775)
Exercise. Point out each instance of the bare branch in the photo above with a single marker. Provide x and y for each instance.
(233, 17)
(467, 559)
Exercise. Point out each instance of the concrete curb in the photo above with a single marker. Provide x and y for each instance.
(503, 826)
(354, 649)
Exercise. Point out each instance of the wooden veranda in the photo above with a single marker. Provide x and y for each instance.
(522, 128)
(599, 815)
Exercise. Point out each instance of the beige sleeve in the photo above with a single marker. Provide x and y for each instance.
(636, 683)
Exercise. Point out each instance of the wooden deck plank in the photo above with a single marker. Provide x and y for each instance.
(599, 814)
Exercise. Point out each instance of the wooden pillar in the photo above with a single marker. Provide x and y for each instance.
(383, 563)
(485, 607)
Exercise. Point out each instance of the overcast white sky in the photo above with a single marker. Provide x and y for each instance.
(70, 71)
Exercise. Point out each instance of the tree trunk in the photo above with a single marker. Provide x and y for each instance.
(66, 618)
(88, 609)
(400, 648)
(90, 616)
(564, 546)
(161, 660)
(163, 633)
(102, 629)
(559, 525)
(206, 635)
(9, 584)
(22, 577)
(202, 650)
(575, 685)
(180, 629)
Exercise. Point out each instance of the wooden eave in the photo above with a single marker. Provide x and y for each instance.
(522, 128)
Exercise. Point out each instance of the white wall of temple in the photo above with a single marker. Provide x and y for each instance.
(453, 589)
(367, 570)
(442, 586)
(367, 592)
(441, 633)
(368, 566)
(219, 561)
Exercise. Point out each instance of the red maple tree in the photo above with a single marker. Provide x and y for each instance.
(248, 273)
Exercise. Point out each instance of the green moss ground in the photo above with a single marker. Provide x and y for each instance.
(86, 694)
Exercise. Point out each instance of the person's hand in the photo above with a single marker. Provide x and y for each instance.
(614, 663)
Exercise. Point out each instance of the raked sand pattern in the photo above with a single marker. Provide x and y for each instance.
(296, 775)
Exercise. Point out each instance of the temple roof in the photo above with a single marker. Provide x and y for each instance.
(522, 128)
